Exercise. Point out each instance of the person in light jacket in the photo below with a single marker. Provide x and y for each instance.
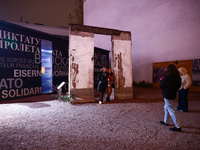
(184, 90)
(170, 85)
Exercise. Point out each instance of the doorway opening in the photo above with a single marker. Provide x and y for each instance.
(102, 58)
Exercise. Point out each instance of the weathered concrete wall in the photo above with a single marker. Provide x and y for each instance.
(81, 52)
(162, 30)
(122, 65)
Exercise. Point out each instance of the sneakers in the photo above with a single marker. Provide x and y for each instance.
(175, 129)
(163, 123)
(100, 102)
(179, 109)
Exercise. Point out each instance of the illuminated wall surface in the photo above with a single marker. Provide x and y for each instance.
(26, 66)
(162, 30)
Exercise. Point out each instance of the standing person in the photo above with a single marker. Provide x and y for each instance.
(184, 90)
(111, 80)
(102, 85)
(170, 85)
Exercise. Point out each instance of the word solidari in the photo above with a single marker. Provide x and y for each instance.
(12, 87)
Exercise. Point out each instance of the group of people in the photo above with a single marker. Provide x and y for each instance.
(174, 81)
(106, 81)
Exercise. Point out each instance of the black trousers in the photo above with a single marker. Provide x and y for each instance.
(183, 100)
(101, 96)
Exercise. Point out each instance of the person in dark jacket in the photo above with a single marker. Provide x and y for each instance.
(103, 82)
(170, 85)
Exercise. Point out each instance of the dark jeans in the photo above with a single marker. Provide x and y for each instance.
(183, 100)
(101, 96)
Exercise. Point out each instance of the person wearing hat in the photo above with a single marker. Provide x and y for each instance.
(183, 91)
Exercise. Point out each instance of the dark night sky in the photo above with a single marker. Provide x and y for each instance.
(47, 12)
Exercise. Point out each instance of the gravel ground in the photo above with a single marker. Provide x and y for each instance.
(127, 125)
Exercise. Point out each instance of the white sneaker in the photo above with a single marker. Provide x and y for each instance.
(100, 102)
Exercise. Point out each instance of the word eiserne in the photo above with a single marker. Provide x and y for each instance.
(11, 87)
(27, 73)
(19, 42)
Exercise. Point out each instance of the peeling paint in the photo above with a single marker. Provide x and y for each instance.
(90, 79)
(120, 72)
(82, 62)
(74, 73)
(92, 59)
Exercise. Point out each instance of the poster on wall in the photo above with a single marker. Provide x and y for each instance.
(19, 62)
(158, 73)
(196, 72)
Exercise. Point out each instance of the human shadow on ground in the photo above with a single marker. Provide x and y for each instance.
(196, 130)
(191, 132)
(189, 127)
(193, 111)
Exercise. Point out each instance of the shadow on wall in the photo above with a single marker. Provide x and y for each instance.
(143, 84)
